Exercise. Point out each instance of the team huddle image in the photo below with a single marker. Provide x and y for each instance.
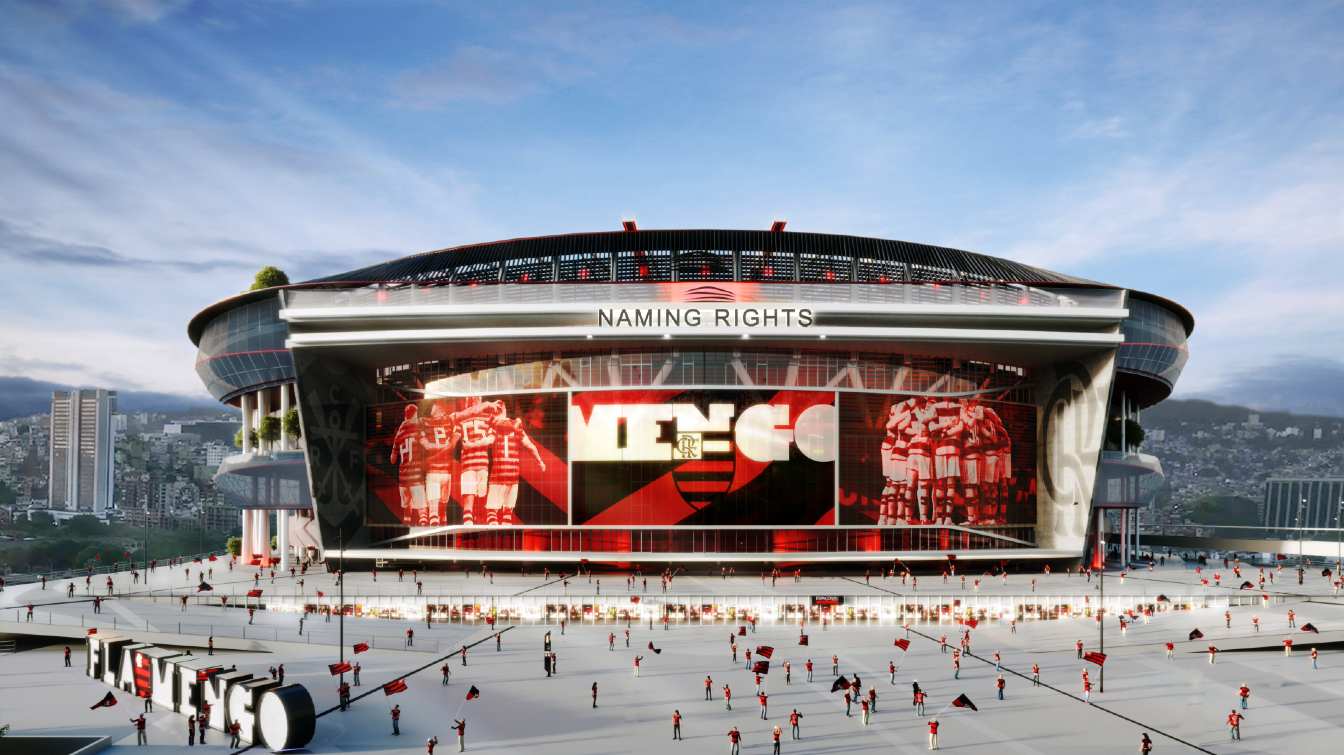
(939, 460)
(463, 461)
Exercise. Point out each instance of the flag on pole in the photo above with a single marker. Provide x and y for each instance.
(254, 592)
(1308, 627)
(361, 647)
(472, 693)
(93, 631)
(760, 667)
(339, 668)
(765, 651)
(902, 643)
(1247, 586)
(107, 702)
(394, 686)
(203, 586)
(1195, 634)
(972, 623)
(840, 683)
(963, 701)
(1095, 657)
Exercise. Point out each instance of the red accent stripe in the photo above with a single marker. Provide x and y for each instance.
(703, 486)
(706, 465)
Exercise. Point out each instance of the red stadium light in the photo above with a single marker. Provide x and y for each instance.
(629, 225)
(778, 226)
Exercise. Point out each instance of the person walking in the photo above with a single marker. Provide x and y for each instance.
(956, 664)
(1314, 657)
(445, 671)
(203, 723)
(999, 684)
(676, 725)
(343, 695)
(191, 731)
(67, 656)
(849, 699)
(410, 637)
(638, 658)
(396, 720)
(139, 723)
(734, 741)
(920, 697)
(933, 734)
(461, 727)
(709, 682)
(1145, 744)
(764, 700)
(280, 673)
(1035, 675)
(1234, 724)
(891, 668)
(210, 645)
(727, 697)
(788, 673)
(355, 671)
(1171, 651)
(235, 734)
(464, 655)
(611, 641)
(835, 664)
(864, 709)
(807, 665)
(775, 734)
(1213, 654)
(1079, 647)
(1292, 618)
(1087, 690)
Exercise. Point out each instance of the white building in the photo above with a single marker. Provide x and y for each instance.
(81, 460)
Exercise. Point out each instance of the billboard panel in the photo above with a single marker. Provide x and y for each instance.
(468, 460)
(924, 460)
(703, 457)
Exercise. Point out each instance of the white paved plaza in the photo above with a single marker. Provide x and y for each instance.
(1292, 707)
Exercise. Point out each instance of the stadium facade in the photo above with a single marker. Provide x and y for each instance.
(698, 395)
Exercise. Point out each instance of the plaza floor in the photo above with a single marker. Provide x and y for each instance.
(1293, 708)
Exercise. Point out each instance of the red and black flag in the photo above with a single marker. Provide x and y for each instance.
(902, 643)
(93, 631)
(339, 668)
(1247, 585)
(1325, 572)
(1195, 634)
(395, 686)
(765, 651)
(1095, 657)
(1281, 556)
(1163, 599)
(472, 693)
(203, 586)
(361, 647)
(972, 623)
(760, 667)
(254, 592)
(1308, 627)
(321, 594)
(802, 639)
(107, 702)
(840, 683)
(654, 649)
(742, 631)
(963, 701)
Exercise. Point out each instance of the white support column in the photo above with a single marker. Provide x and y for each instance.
(1124, 537)
(245, 552)
(264, 533)
(245, 404)
(282, 537)
(264, 409)
(284, 410)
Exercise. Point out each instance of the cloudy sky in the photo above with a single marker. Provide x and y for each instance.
(154, 153)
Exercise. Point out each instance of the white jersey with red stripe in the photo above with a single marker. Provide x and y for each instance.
(443, 437)
(475, 444)
(408, 445)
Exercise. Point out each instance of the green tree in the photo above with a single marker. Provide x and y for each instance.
(291, 423)
(269, 429)
(268, 277)
(85, 525)
(238, 438)
(234, 545)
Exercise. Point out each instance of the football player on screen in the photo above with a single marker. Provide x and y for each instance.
(477, 438)
(505, 463)
(444, 435)
(408, 453)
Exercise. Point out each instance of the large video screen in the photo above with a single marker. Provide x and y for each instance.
(703, 457)
(496, 460)
(936, 460)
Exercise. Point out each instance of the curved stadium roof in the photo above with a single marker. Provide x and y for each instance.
(646, 255)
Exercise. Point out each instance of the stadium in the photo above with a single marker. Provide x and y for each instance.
(713, 396)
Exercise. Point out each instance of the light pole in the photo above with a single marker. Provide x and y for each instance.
(340, 584)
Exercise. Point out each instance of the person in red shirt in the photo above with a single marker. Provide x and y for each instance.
(775, 733)
(139, 723)
(235, 734)
(807, 665)
(794, 718)
(1035, 675)
(676, 724)
(1087, 690)
(1171, 651)
(67, 656)
(430, 745)
(999, 684)
(735, 740)
(396, 720)
(1145, 744)
(1234, 724)
(864, 708)
(1213, 654)
(708, 683)
(1079, 646)
(1292, 618)
(461, 727)
(408, 453)
(764, 699)
(1315, 656)
(933, 734)
(891, 668)
(1244, 693)
(727, 697)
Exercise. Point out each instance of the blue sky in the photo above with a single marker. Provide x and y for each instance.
(154, 153)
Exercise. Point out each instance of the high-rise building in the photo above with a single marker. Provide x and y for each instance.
(81, 471)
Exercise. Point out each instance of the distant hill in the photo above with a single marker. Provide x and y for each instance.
(1174, 411)
(21, 396)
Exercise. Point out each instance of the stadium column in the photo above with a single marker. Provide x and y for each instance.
(245, 404)
(1124, 538)
(282, 537)
(284, 409)
(245, 552)
(264, 533)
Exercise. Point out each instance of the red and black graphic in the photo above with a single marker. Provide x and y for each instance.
(665, 457)
(936, 460)
(494, 461)
(143, 675)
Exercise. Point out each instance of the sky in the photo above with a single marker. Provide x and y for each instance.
(155, 153)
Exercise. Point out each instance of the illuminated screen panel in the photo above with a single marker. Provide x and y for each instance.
(911, 460)
(493, 461)
(703, 457)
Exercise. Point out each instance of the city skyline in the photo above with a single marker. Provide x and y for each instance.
(162, 151)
